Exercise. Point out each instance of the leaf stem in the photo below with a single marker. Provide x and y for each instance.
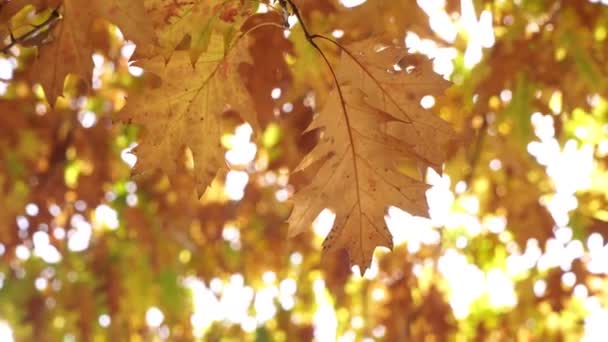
(310, 37)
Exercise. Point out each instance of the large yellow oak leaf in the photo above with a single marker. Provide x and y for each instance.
(373, 130)
(73, 40)
(184, 111)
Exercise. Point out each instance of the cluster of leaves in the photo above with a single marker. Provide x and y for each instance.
(333, 100)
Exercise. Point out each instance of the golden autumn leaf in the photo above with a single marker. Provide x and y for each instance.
(197, 21)
(185, 110)
(73, 42)
(372, 123)
(391, 20)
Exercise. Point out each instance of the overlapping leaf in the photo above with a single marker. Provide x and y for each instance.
(73, 41)
(185, 110)
(391, 18)
(175, 21)
(383, 127)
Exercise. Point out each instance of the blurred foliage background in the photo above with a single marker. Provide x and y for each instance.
(514, 247)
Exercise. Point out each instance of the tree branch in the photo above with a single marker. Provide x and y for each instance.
(296, 12)
(33, 33)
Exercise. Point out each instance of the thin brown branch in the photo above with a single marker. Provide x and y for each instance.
(36, 29)
(296, 12)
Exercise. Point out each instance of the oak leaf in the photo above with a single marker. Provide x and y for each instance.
(372, 124)
(73, 41)
(196, 21)
(390, 21)
(185, 110)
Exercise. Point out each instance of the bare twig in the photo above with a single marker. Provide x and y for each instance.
(36, 29)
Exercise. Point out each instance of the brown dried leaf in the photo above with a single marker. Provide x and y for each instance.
(73, 40)
(356, 161)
